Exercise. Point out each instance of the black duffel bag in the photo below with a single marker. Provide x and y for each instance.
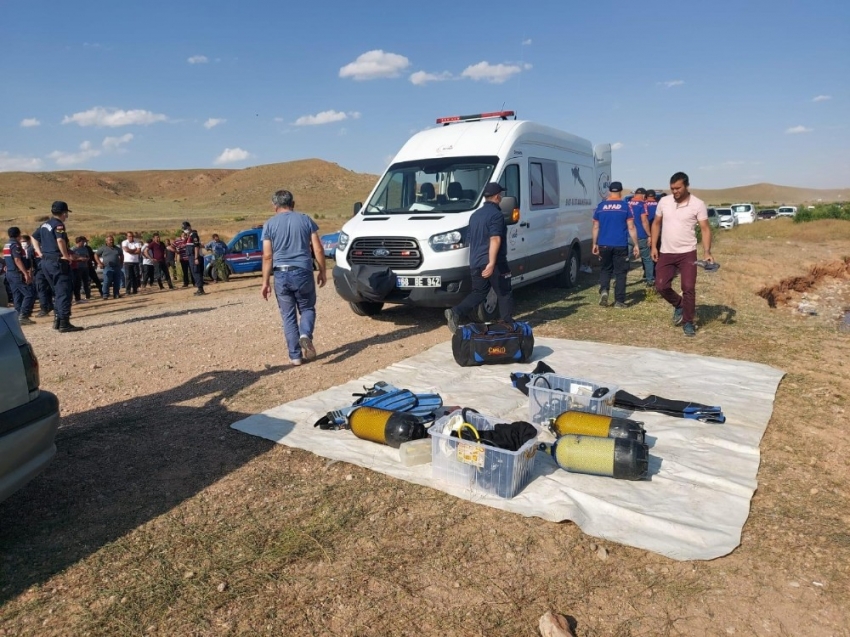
(488, 343)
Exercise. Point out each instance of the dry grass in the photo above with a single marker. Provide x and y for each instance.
(252, 538)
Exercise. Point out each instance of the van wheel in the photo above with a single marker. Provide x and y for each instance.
(366, 308)
(488, 311)
(568, 277)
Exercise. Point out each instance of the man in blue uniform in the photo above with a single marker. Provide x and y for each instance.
(50, 241)
(488, 260)
(290, 242)
(637, 206)
(651, 205)
(196, 259)
(19, 276)
(613, 225)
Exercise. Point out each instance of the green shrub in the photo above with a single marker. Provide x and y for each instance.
(823, 211)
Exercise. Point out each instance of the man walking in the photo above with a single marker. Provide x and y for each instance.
(651, 205)
(679, 215)
(613, 225)
(640, 212)
(111, 258)
(488, 260)
(19, 276)
(50, 241)
(218, 248)
(290, 241)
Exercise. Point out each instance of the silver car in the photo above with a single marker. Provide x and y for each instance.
(726, 219)
(29, 417)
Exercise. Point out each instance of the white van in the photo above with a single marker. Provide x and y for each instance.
(745, 212)
(415, 221)
(786, 211)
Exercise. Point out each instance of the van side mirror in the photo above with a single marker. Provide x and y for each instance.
(510, 209)
(357, 208)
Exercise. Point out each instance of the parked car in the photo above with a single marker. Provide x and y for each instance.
(766, 214)
(726, 219)
(29, 416)
(745, 212)
(329, 242)
(713, 219)
(244, 253)
(786, 211)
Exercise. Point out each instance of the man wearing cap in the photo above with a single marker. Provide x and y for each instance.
(488, 260)
(19, 276)
(290, 243)
(640, 212)
(50, 241)
(679, 215)
(193, 254)
(613, 225)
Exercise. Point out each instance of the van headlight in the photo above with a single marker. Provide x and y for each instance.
(343, 241)
(452, 240)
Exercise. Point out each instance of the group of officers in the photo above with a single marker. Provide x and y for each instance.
(50, 256)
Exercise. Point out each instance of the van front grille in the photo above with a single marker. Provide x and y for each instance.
(398, 253)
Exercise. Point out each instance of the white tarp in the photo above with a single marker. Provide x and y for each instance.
(702, 475)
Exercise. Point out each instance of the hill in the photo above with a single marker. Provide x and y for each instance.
(215, 198)
(771, 194)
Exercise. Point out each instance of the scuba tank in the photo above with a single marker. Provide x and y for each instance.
(386, 427)
(613, 457)
(585, 424)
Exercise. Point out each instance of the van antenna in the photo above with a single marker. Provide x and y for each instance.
(501, 110)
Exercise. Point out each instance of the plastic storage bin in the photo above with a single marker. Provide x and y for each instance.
(551, 395)
(481, 468)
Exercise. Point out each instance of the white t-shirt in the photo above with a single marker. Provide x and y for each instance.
(131, 258)
(678, 222)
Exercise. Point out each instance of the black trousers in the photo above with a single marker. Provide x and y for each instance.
(161, 272)
(187, 273)
(615, 261)
(58, 274)
(500, 282)
(80, 281)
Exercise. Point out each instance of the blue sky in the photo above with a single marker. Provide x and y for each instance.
(731, 92)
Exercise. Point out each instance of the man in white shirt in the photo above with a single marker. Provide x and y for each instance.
(679, 215)
(132, 258)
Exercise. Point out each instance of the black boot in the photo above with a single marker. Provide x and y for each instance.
(55, 322)
(65, 326)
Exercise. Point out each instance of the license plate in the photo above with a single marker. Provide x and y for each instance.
(418, 281)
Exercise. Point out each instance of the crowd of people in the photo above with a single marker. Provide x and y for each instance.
(48, 268)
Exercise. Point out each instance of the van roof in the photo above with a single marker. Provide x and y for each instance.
(486, 137)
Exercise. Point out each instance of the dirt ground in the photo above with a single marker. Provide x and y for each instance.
(156, 518)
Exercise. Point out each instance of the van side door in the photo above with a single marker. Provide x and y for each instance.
(511, 181)
(540, 219)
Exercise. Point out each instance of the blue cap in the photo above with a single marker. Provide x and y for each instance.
(492, 189)
(615, 186)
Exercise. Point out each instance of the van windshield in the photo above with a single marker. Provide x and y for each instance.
(445, 185)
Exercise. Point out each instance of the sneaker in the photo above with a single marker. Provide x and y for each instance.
(200, 293)
(83, 301)
(25, 320)
(295, 361)
(620, 305)
(105, 298)
(650, 284)
(307, 349)
(689, 329)
(42, 313)
(678, 316)
(603, 298)
(451, 320)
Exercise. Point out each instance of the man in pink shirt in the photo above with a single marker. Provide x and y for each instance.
(679, 215)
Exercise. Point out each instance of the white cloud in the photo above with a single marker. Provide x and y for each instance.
(617, 145)
(112, 144)
(29, 122)
(198, 59)
(821, 98)
(493, 73)
(374, 65)
(672, 83)
(421, 77)
(87, 151)
(795, 130)
(231, 155)
(212, 122)
(325, 117)
(10, 163)
(113, 117)
(278, 119)
(526, 42)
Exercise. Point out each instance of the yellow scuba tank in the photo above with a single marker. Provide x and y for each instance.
(613, 457)
(386, 427)
(585, 424)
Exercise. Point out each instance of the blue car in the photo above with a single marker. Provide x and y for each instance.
(329, 242)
